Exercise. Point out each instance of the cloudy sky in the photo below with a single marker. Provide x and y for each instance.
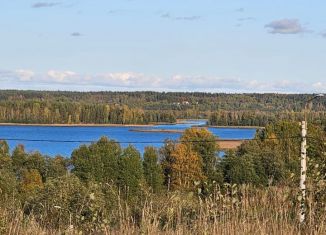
(170, 45)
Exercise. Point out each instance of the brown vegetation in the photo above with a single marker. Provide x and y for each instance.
(229, 144)
(233, 210)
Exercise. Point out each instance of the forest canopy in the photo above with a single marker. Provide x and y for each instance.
(143, 107)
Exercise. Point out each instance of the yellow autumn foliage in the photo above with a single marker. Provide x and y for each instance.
(31, 181)
(186, 167)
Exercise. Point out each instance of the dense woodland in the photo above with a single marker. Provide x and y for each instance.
(146, 107)
(182, 188)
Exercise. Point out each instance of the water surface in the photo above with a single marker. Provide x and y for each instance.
(120, 134)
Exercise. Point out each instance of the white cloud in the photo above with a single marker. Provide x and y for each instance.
(69, 80)
(320, 86)
(25, 75)
(126, 79)
(57, 76)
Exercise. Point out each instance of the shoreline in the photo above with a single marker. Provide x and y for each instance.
(237, 127)
(123, 125)
(157, 131)
(76, 125)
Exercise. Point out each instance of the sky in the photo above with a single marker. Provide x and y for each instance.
(164, 45)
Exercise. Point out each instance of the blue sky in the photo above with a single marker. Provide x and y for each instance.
(183, 45)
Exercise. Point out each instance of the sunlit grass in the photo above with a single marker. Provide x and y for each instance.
(233, 210)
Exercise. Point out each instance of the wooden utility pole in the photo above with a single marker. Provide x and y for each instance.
(303, 171)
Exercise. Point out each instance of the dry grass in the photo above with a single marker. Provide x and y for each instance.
(229, 144)
(237, 211)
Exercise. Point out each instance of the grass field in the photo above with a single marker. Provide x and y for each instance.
(236, 211)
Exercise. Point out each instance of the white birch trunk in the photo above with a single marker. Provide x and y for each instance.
(303, 174)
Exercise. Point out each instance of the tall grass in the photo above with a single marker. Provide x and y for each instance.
(233, 210)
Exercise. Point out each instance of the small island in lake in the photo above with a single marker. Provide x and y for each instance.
(157, 130)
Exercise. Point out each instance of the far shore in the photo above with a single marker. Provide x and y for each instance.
(157, 130)
(236, 127)
(182, 121)
(76, 125)
(122, 125)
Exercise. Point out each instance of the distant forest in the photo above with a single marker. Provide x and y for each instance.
(143, 107)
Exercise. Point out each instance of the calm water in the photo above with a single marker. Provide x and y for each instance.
(121, 134)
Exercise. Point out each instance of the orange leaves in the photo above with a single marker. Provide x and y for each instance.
(31, 181)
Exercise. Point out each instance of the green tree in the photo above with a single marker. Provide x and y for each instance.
(287, 136)
(270, 165)
(166, 160)
(36, 161)
(56, 167)
(8, 185)
(19, 158)
(99, 161)
(5, 160)
(203, 142)
(152, 170)
(130, 172)
(239, 170)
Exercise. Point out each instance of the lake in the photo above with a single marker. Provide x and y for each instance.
(121, 134)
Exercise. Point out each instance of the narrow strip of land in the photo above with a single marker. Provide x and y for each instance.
(76, 125)
(237, 127)
(157, 130)
(229, 144)
(121, 125)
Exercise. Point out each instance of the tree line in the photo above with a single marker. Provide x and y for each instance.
(56, 112)
(145, 107)
(261, 118)
(149, 100)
